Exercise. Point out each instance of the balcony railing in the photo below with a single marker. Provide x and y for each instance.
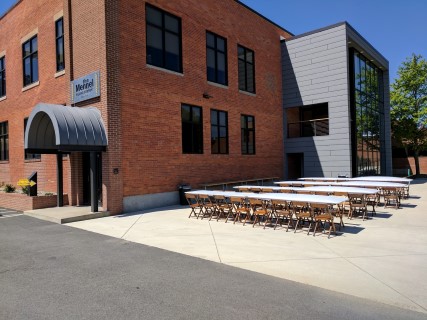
(309, 128)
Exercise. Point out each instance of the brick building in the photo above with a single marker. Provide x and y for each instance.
(187, 91)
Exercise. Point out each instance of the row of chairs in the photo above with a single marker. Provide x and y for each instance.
(274, 212)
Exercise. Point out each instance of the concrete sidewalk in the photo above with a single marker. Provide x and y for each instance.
(382, 259)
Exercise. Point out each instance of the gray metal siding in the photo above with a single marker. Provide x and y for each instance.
(315, 70)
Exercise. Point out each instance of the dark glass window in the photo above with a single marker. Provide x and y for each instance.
(216, 58)
(308, 121)
(4, 141)
(246, 61)
(29, 156)
(192, 129)
(2, 77)
(219, 132)
(163, 39)
(248, 134)
(30, 61)
(368, 112)
(59, 29)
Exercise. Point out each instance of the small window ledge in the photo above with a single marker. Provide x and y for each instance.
(32, 160)
(30, 86)
(4, 162)
(217, 85)
(3, 98)
(248, 93)
(164, 70)
(59, 73)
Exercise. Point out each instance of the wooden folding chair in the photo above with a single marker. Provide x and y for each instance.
(266, 190)
(282, 211)
(357, 205)
(239, 209)
(193, 202)
(391, 197)
(323, 215)
(208, 208)
(303, 213)
(223, 207)
(259, 211)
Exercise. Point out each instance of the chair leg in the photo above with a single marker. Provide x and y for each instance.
(315, 228)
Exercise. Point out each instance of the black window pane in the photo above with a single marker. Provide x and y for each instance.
(59, 28)
(34, 44)
(35, 68)
(26, 49)
(216, 58)
(249, 56)
(210, 40)
(197, 115)
(192, 129)
(154, 46)
(185, 113)
(222, 119)
(27, 71)
(172, 24)
(214, 117)
(60, 54)
(241, 52)
(172, 49)
(154, 16)
(220, 44)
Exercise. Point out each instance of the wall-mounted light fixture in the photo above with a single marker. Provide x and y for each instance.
(207, 95)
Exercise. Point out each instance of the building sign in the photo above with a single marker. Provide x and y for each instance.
(85, 88)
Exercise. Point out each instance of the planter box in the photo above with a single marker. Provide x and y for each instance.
(22, 202)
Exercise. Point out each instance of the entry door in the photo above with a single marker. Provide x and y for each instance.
(295, 165)
(86, 177)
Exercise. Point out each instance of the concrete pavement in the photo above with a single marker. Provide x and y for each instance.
(381, 259)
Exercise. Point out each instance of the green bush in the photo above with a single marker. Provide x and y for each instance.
(9, 188)
(25, 190)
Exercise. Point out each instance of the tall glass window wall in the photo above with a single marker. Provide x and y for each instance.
(368, 112)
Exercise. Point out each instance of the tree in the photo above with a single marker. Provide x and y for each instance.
(409, 106)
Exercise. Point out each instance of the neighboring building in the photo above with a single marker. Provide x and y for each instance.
(336, 100)
(185, 92)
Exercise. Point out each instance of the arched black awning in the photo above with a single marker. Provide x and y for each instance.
(57, 128)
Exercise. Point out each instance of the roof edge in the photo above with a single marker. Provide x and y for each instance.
(10, 9)
(316, 31)
(262, 16)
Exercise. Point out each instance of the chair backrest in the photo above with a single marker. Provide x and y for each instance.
(244, 189)
(357, 199)
(266, 190)
(302, 191)
(320, 207)
(322, 193)
(191, 199)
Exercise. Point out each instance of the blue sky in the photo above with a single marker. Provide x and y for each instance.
(397, 28)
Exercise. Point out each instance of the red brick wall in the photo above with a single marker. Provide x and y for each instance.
(16, 24)
(406, 163)
(151, 99)
(22, 202)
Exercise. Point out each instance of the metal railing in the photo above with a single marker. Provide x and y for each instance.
(309, 128)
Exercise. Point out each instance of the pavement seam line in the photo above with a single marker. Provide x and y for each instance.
(131, 226)
(216, 246)
(371, 275)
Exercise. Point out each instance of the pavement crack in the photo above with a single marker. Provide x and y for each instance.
(131, 226)
(216, 246)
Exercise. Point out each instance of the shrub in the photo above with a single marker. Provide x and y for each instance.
(25, 190)
(9, 188)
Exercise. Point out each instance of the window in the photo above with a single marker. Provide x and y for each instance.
(216, 58)
(30, 156)
(4, 141)
(246, 61)
(59, 30)
(2, 77)
(163, 39)
(308, 121)
(219, 132)
(248, 134)
(31, 63)
(192, 129)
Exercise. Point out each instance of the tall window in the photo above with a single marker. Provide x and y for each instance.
(216, 58)
(248, 134)
(192, 129)
(59, 30)
(31, 62)
(4, 141)
(163, 39)
(2, 77)
(246, 60)
(219, 132)
(30, 156)
(368, 113)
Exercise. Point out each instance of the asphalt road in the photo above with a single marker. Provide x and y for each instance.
(49, 271)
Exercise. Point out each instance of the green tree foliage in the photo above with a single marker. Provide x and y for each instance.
(409, 106)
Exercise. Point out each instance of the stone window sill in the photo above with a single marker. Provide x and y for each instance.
(30, 86)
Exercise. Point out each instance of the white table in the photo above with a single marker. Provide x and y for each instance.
(278, 189)
(326, 179)
(307, 198)
(383, 179)
(372, 184)
(309, 183)
(348, 190)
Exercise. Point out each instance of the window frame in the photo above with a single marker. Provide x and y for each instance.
(194, 149)
(4, 141)
(218, 127)
(30, 56)
(245, 134)
(59, 38)
(164, 31)
(29, 156)
(246, 64)
(217, 52)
